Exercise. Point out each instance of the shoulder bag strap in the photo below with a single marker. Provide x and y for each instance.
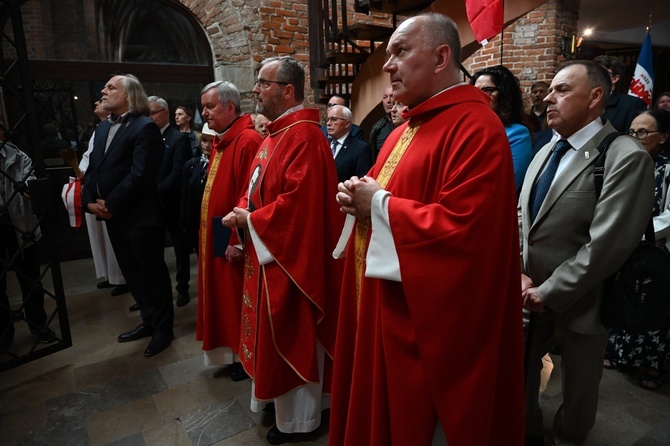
(599, 175)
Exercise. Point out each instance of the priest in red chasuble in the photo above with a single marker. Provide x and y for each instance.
(220, 255)
(291, 281)
(429, 341)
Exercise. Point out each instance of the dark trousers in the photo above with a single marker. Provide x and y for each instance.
(27, 267)
(181, 251)
(139, 251)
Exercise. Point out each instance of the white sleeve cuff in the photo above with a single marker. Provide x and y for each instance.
(264, 256)
(382, 259)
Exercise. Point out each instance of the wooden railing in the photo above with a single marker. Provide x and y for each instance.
(338, 48)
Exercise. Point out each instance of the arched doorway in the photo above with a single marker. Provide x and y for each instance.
(75, 46)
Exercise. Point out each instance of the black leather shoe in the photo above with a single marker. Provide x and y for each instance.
(275, 436)
(103, 285)
(159, 342)
(534, 441)
(138, 333)
(134, 307)
(238, 373)
(119, 290)
(183, 298)
(45, 336)
(7, 339)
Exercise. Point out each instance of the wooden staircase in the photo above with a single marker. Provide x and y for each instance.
(338, 48)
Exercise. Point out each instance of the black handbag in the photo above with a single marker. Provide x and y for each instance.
(637, 297)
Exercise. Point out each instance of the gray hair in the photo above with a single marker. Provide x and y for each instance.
(291, 72)
(346, 113)
(442, 30)
(138, 103)
(228, 92)
(162, 103)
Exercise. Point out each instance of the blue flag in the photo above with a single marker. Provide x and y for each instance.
(642, 84)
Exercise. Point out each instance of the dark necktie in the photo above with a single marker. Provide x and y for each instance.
(333, 146)
(542, 186)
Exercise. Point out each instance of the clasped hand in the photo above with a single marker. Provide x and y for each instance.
(531, 296)
(98, 208)
(237, 218)
(355, 195)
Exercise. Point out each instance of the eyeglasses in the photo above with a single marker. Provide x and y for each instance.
(641, 134)
(155, 112)
(335, 119)
(489, 90)
(264, 83)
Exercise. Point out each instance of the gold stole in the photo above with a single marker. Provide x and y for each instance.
(204, 213)
(363, 225)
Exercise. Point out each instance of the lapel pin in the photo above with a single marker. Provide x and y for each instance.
(586, 155)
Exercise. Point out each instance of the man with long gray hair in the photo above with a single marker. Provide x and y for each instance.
(120, 188)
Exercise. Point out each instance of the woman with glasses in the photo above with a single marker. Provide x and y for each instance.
(648, 351)
(506, 100)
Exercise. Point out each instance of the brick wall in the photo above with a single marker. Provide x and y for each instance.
(530, 46)
(243, 32)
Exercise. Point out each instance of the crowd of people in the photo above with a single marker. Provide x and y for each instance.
(336, 270)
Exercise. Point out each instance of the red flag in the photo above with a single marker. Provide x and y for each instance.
(485, 17)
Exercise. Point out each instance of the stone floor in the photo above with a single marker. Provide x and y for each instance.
(100, 392)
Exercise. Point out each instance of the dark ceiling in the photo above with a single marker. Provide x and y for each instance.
(624, 21)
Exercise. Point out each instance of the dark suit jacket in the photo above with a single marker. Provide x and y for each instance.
(354, 130)
(353, 158)
(622, 109)
(192, 187)
(177, 152)
(125, 175)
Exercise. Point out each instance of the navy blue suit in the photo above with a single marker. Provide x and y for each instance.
(353, 158)
(177, 152)
(125, 177)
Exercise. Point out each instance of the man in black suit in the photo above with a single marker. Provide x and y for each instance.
(621, 108)
(120, 188)
(352, 155)
(355, 130)
(177, 152)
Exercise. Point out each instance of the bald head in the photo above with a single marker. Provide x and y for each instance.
(423, 57)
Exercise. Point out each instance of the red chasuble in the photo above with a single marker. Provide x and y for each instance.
(219, 281)
(291, 303)
(446, 342)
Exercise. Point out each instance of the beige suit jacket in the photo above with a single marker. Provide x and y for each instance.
(575, 242)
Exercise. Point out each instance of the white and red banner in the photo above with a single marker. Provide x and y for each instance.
(642, 84)
(486, 18)
(72, 199)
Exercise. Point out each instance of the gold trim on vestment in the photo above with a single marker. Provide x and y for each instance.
(204, 214)
(363, 224)
(261, 271)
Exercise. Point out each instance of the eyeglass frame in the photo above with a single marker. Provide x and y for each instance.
(264, 83)
(489, 90)
(638, 134)
(155, 112)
